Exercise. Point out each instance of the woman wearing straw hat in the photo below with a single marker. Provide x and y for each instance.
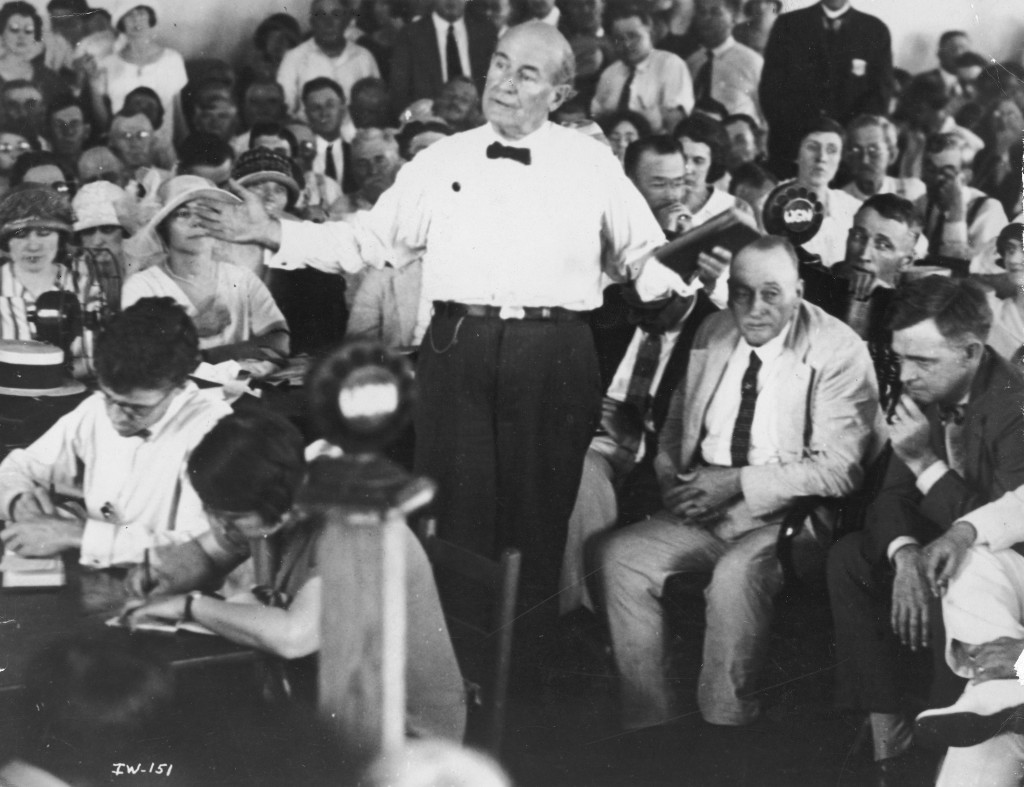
(234, 312)
(35, 229)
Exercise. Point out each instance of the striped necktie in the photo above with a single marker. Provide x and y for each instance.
(740, 445)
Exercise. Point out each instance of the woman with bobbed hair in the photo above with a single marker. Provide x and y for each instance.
(35, 232)
(21, 31)
(247, 472)
(997, 169)
(623, 128)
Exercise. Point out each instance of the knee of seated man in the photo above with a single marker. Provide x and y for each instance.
(746, 572)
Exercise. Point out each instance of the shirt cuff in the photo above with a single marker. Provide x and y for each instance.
(931, 474)
(955, 232)
(659, 281)
(98, 543)
(282, 258)
(898, 543)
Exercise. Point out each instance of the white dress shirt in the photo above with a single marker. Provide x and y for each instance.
(461, 42)
(308, 60)
(553, 17)
(908, 188)
(661, 82)
(136, 489)
(334, 149)
(497, 232)
(725, 406)
(735, 76)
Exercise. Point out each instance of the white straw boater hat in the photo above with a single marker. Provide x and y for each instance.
(180, 189)
(30, 368)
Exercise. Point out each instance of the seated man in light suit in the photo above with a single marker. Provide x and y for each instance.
(978, 566)
(779, 403)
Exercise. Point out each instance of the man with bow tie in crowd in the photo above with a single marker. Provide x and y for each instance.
(956, 440)
(515, 221)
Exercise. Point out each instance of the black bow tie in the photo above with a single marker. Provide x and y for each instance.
(497, 150)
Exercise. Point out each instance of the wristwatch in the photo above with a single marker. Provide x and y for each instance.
(186, 616)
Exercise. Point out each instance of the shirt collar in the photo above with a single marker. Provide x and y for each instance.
(441, 23)
(771, 349)
(724, 47)
(529, 141)
(177, 403)
(835, 14)
(553, 16)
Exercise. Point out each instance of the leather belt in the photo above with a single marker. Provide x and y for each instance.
(550, 313)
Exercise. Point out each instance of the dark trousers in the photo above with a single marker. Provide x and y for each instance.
(874, 672)
(505, 413)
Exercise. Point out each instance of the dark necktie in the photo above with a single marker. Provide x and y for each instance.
(497, 150)
(624, 421)
(330, 168)
(833, 25)
(702, 85)
(740, 445)
(638, 393)
(627, 89)
(451, 55)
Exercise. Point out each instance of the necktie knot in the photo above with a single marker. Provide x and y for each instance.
(496, 150)
(955, 414)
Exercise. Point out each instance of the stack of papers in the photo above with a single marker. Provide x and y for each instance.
(32, 572)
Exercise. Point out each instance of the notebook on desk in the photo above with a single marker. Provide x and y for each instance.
(159, 627)
(32, 572)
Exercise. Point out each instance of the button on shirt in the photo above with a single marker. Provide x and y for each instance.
(765, 445)
(307, 61)
(136, 490)
(660, 82)
(497, 232)
(461, 42)
(735, 76)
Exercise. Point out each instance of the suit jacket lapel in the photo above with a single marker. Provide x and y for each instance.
(705, 371)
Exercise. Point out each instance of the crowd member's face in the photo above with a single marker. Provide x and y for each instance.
(219, 174)
(273, 195)
(136, 22)
(1013, 260)
(101, 164)
(883, 247)
(328, 20)
(764, 292)
(12, 147)
(868, 156)
(370, 108)
(621, 136)
(497, 12)
(141, 104)
(69, 131)
(46, 175)
(1007, 119)
(456, 103)
(263, 103)
(277, 43)
(19, 37)
(450, 10)
(713, 21)
(184, 232)
(934, 368)
(968, 77)
(660, 179)
(423, 141)
(818, 159)
(938, 169)
(631, 40)
(131, 139)
(584, 16)
(273, 143)
(951, 49)
(743, 145)
(219, 116)
(109, 237)
(33, 250)
(540, 8)
(25, 106)
(137, 409)
(325, 111)
(375, 163)
(520, 92)
(697, 162)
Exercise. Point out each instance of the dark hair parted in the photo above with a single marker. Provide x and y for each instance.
(894, 208)
(958, 307)
(708, 131)
(658, 145)
(151, 344)
(322, 83)
(249, 462)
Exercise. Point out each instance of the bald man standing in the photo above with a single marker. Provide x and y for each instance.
(515, 222)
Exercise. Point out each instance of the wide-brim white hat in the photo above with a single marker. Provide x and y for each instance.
(176, 191)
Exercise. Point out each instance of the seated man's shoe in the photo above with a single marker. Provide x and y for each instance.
(984, 710)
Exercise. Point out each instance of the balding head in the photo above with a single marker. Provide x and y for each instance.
(530, 75)
(764, 289)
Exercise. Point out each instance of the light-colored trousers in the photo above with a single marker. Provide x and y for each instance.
(746, 576)
(985, 601)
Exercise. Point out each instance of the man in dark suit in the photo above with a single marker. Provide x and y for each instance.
(642, 356)
(434, 49)
(956, 440)
(829, 59)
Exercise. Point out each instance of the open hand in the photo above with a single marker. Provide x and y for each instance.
(711, 266)
(702, 493)
(944, 555)
(995, 660)
(248, 222)
(159, 608)
(33, 503)
(911, 596)
(43, 536)
(909, 432)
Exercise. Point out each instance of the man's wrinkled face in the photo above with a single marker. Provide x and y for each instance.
(933, 368)
(764, 293)
(375, 163)
(881, 246)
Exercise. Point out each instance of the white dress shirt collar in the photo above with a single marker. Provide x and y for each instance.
(531, 140)
(552, 18)
(835, 14)
(441, 26)
(724, 47)
(180, 400)
(770, 350)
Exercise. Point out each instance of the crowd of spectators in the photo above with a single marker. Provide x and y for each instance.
(323, 189)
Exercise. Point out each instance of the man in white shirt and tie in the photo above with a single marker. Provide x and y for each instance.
(724, 69)
(779, 403)
(324, 102)
(515, 222)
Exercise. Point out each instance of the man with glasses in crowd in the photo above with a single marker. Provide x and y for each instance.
(122, 452)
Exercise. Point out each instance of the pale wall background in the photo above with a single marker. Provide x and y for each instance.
(222, 28)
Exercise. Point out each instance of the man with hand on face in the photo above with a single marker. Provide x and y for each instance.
(123, 451)
(327, 54)
(779, 403)
(956, 440)
(652, 82)
(515, 222)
